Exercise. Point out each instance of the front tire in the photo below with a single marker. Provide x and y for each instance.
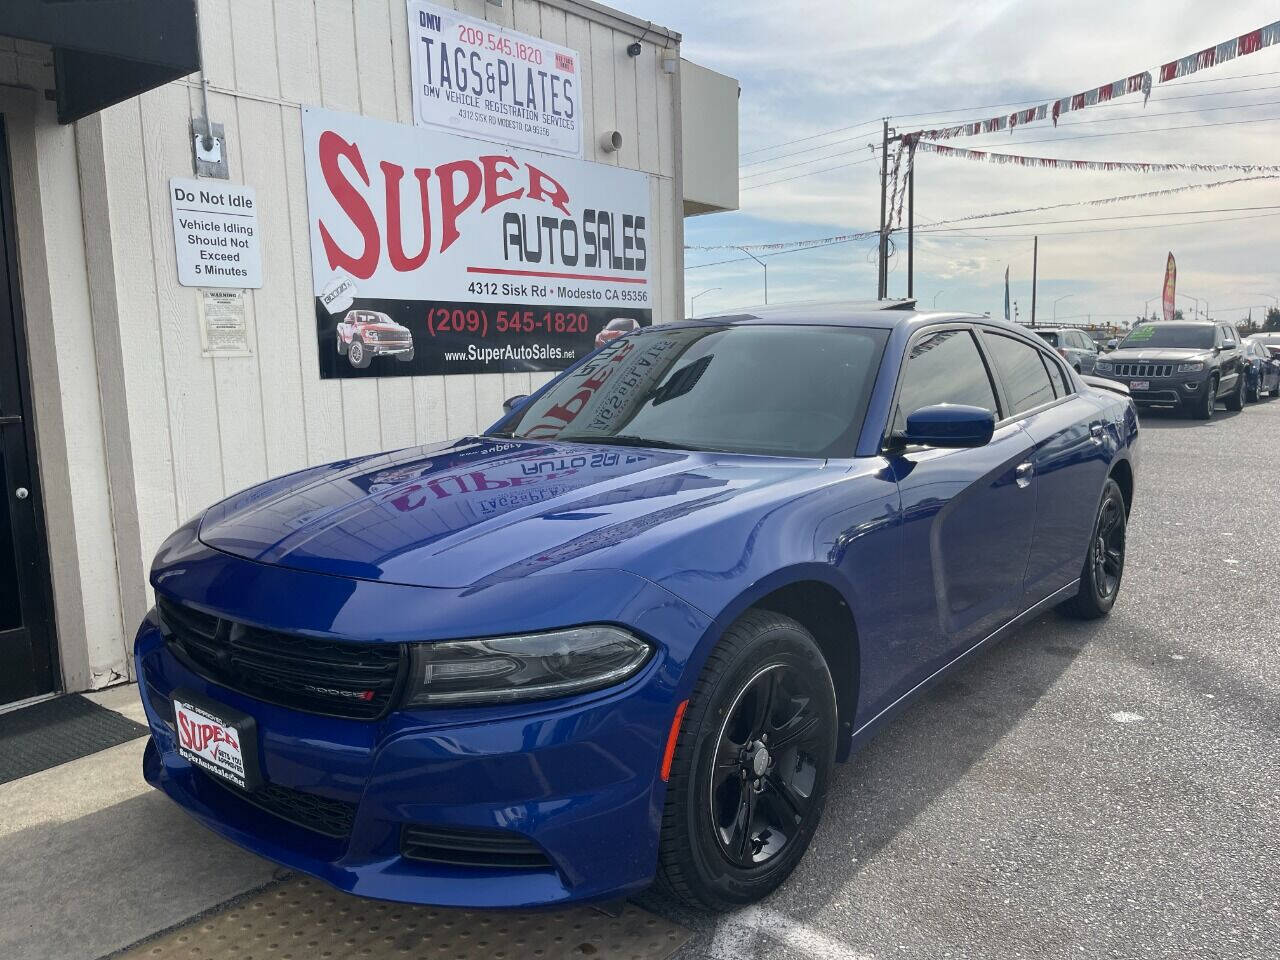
(1104, 563)
(358, 355)
(752, 765)
(1235, 402)
(1203, 409)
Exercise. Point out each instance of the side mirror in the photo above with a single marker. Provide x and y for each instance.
(511, 403)
(949, 425)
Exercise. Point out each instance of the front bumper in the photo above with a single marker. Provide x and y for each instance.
(577, 777)
(1163, 391)
(386, 348)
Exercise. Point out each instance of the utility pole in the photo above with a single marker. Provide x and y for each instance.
(766, 272)
(882, 279)
(1035, 263)
(911, 222)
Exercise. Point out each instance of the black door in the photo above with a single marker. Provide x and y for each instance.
(26, 658)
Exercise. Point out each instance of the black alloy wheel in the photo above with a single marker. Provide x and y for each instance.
(765, 767)
(1104, 562)
(751, 766)
(1108, 548)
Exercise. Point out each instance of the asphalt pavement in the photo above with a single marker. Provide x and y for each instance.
(1104, 789)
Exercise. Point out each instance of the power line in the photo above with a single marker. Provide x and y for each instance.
(809, 173)
(871, 235)
(1236, 106)
(1129, 133)
(815, 136)
(1015, 103)
(801, 163)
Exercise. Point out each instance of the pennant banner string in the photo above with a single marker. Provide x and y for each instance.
(1224, 52)
(786, 245)
(1131, 166)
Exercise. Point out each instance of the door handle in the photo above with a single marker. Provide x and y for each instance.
(22, 493)
(1022, 476)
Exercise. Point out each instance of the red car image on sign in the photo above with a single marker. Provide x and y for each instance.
(364, 334)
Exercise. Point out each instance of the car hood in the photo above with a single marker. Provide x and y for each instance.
(481, 510)
(384, 327)
(1178, 354)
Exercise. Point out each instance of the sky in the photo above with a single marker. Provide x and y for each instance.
(808, 67)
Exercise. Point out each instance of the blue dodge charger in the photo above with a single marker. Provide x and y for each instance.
(624, 635)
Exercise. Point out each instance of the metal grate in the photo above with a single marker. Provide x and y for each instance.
(486, 849)
(305, 918)
(333, 818)
(1144, 369)
(332, 677)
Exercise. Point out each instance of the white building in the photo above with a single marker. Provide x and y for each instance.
(130, 400)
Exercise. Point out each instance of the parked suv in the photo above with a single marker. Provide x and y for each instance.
(1262, 367)
(364, 334)
(1074, 346)
(1185, 364)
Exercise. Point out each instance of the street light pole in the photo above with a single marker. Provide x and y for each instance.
(1055, 305)
(697, 295)
(766, 271)
(935, 298)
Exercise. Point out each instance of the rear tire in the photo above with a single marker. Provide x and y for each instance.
(1104, 563)
(1235, 402)
(765, 680)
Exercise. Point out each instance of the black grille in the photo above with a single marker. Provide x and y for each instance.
(1144, 369)
(331, 677)
(491, 849)
(333, 818)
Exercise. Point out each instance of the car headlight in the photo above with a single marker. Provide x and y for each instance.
(1102, 365)
(371, 335)
(1195, 366)
(535, 666)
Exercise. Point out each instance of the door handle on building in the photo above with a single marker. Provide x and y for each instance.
(1022, 476)
(22, 493)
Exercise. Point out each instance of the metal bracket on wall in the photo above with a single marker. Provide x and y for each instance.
(210, 162)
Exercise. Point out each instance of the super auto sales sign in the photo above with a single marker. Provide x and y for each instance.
(440, 254)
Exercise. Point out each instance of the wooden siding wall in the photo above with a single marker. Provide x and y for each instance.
(199, 429)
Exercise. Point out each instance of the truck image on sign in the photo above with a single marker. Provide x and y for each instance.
(364, 334)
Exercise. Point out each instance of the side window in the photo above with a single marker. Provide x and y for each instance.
(1061, 383)
(1022, 371)
(943, 367)
(1228, 335)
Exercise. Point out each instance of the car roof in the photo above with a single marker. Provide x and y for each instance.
(882, 314)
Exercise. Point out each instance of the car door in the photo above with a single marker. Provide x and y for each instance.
(1231, 362)
(1088, 352)
(968, 514)
(1069, 459)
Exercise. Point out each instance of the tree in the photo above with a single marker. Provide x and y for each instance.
(1177, 314)
(1272, 321)
(1247, 326)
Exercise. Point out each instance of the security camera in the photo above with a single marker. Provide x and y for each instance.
(634, 49)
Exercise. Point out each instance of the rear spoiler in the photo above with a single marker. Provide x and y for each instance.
(1102, 383)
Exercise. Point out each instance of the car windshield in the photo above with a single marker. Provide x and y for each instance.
(1175, 335)
(1049, 336)
(796, 391)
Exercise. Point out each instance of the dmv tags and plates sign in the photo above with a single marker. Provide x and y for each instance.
(218, 743)
(481, 79)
